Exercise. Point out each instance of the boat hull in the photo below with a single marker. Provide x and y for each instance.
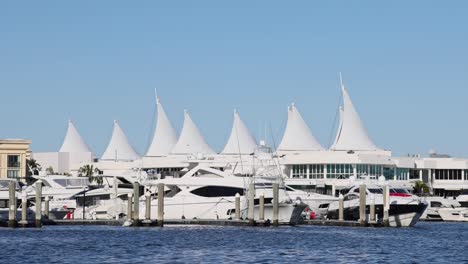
(400, 215)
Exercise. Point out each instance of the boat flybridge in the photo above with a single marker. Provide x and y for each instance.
(208, 193)
(405, 209)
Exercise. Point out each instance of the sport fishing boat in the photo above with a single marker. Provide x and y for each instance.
(405, 208)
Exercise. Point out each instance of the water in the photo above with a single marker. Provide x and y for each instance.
(426, 243)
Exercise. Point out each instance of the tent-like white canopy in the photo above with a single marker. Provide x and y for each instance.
(119, 148)
(352, 135)
(165, 136)
(241, 140)
(297, 135)
(191, 141)
(73, 141)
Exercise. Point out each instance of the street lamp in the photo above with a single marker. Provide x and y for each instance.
(84, 201)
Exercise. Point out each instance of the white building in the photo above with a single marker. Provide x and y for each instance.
(305, 162)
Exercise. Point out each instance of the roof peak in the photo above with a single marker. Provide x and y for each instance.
(73, 142)
(241, 140)
(191, 140)
(119, 147)
(297, 135)
(164, 137)
(351, 134)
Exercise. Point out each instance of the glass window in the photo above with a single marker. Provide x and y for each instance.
(339, 171)
(13, 174)
(13, 161)
(217, 191)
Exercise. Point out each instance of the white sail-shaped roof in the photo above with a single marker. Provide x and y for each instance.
(352, 134)
(73, 141)
(241, 140)
(297, 135)
(191, 140)
(119, 147)
(165, 137)
(338, 132)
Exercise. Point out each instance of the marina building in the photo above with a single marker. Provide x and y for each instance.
(13, 156)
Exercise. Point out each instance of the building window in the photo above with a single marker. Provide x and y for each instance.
(316, 171)
(13, 174)
(388, 173)
(402, 174)
(466, 175)
(299, 171)
(339, 171)
(414, 174)
(14, 161)
(448, 175)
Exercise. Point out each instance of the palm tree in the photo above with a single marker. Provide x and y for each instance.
(33, 167)
(89, 171)
(420, 188)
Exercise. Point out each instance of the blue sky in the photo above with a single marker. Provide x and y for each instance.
(405, 64)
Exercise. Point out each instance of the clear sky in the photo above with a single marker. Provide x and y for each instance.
(405, 64)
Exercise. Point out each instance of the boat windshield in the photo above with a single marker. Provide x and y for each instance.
(72, 182)
(399, 190)
(375, 190)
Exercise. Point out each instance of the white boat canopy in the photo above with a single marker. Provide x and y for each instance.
(241, 141)
(165, 136)
(191, 141)
(73, 141)
(352, 135)
(119, 148)
(297, 135)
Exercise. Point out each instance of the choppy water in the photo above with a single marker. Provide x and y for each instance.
(426, 243)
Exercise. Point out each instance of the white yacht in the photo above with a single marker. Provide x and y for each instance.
(457, 214)
(405, 210)
(107, 202)
(463, 198)
(436, 203)
(59, 189)
(315, 201)
(207, 193)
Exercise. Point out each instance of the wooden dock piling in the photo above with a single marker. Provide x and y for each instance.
(386, 206)
(251, 192)
(160, 204)
(38, 187)
(46, 207)
(261, 208)
(372, 209)
(129, 206)
(136, 204)
(362, 204)
(24, 209)
(12, 205)
(237, 206)
(341, 208)
(275, 204)
(148, 207)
